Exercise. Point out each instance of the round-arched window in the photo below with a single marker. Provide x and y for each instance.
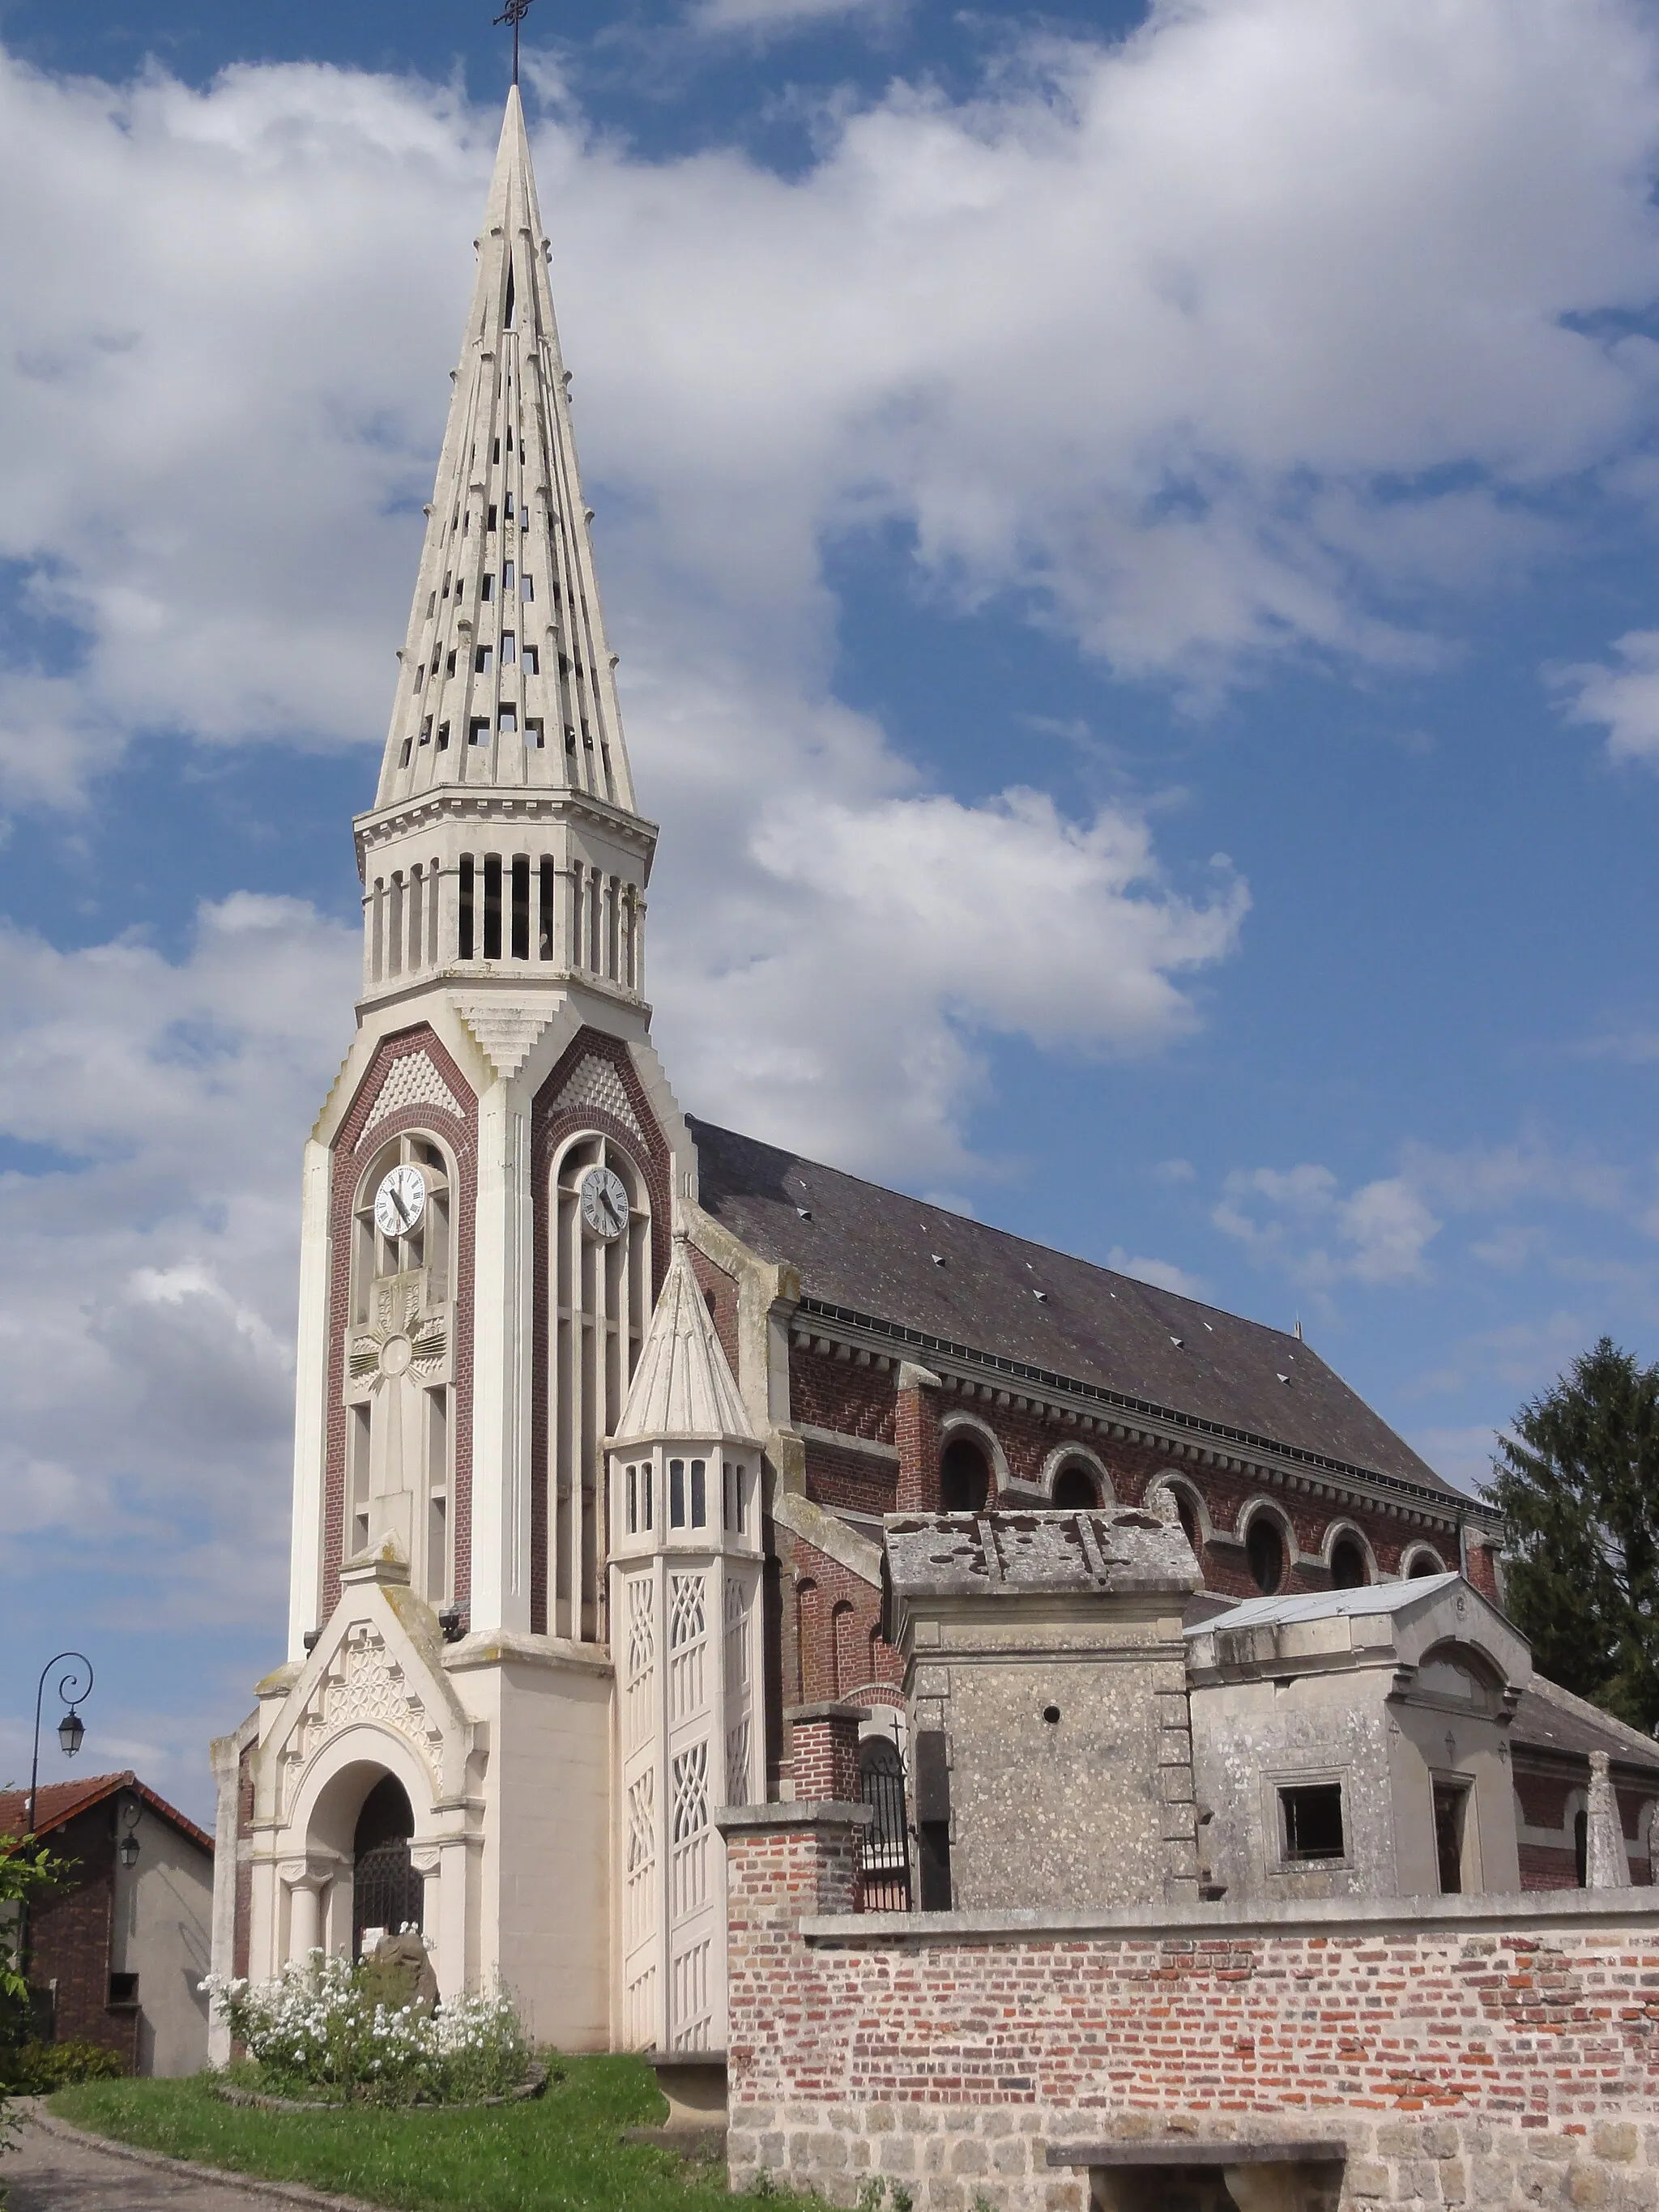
(1077, 1487)
(964, 1477)
(1348, 1570)
(1264, 1548)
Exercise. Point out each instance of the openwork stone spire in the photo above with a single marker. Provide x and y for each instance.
(507, 678)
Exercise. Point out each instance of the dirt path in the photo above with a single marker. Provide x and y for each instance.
(50, 2173)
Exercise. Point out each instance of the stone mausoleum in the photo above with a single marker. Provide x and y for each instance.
(678, 1520)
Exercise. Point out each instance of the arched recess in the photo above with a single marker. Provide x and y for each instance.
(400, 1359)
(1348, 1555)
(1190, 1505)
(1269, 1545)
(600, 1303)
(1575, 1823)
(813, 1662)
(317, 1844)
(1075, 1477)
(958, 1479)
(843, 1644)
(387, 1892)
(1418, 1560)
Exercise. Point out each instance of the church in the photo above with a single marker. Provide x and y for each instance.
(604, 1414)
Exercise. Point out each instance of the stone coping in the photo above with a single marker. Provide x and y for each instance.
(1384, 1915)
(503, 1647)
(663, 2062)
(1198, 2150)
(814, 1812)
(826, 1708)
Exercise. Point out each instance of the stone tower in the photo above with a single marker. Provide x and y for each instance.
(488, 1196)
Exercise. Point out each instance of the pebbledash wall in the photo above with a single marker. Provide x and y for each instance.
(1467, 2050)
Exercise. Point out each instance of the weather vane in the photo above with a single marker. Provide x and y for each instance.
(514, 13)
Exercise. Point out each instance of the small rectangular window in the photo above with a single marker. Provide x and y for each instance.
(507, 578)
(734, 1499)
(645, 1495)
(699, 1495)
(443, 737)
(1451, 1805)
(490, 520)
(532, 660)
(633, 1501)
(509, 437)
(448, 579)
(478, 730)
(464, 911)
(466, 522)
(676, 1493)
(402, 757)
(495, 451)
(526, 587)
(449, 666)
(509, 648)
(506, 721)
(487, 585)
(1313, 1820)
(425, 731)
(420, 674)
(508, 507)
(123, 1991)
(533, 736)
(432, 602)
(480, 660)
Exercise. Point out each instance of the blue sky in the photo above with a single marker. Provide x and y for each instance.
(1133, 543)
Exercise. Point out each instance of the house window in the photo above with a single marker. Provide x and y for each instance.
(1313, 1822)
(735, 1501)
(1076, 1487)
(449, 664)
(527, 587)
(1451, 1805)
(507, 721)
(507, 579)
(443, 737)
(490, 520)
(478, 731)
(533, 733)
(633, 1501)
(487, 585)
(965, 1474)
(509, 648)
(532, 660)
(1348, 1564)
(699, 1494)
(425, 731)
(676, 1493)
(480, 660)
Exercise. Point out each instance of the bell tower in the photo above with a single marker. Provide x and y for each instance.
(489, 1198)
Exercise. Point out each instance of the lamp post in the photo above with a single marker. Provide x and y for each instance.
(71, 1688)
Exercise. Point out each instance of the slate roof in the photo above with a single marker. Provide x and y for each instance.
(870, 1252)
(1551, 1719)
(58, 1802)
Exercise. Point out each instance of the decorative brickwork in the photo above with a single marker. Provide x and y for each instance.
(842, 1654)
(365, 1128)
(1500, 2050)
(826, 1392)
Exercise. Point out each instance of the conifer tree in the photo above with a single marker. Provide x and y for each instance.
(1579, 1485)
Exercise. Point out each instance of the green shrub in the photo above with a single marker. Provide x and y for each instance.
(35, 2069)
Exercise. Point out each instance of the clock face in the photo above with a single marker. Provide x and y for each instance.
(604, 1203)
(400, 1201)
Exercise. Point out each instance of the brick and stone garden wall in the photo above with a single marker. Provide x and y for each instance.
(1474, 2050)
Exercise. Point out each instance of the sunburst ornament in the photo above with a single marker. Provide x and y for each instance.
(404, 1337)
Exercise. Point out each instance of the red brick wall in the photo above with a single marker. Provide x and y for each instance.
(824, 1758)
(719, 1291)
(837, 1395)
(1490, 2012)
(840, 1652)
(857, 1481)
(69, 1936)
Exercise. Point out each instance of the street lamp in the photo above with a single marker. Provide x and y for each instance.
(127, 1850)
(73, 1685)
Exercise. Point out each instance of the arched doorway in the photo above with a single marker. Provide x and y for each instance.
(386, 1890)
(964, 1477)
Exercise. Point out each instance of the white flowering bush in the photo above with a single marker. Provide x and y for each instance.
(321, 2030)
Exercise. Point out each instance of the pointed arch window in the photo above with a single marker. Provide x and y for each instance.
(599, 1304)
(399, 1362)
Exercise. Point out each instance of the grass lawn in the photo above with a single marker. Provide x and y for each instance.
(556, 2153)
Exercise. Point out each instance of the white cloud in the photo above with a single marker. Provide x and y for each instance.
(772, 17)
(1299, 1218)
(146, 1308)
(1163, 1273)
(1622, 698)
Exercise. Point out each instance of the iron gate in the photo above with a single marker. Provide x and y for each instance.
(885, 1845)
(386, 1891)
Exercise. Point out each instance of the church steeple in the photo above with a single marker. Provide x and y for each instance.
(506, 676)
(506, 710)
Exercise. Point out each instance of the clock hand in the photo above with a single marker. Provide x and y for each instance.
(617, 1219)
(403, 1211)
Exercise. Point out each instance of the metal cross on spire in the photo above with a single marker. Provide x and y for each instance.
(514, 13)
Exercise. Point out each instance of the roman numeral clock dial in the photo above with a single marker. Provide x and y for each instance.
(604, 1203)
(400, 1201)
